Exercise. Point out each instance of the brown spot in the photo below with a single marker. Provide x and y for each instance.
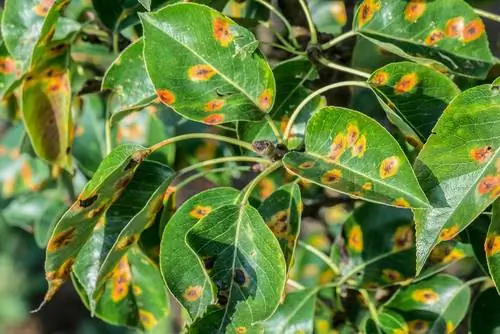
(406, 83)
(86, 202)
(306, 165)
(278, 223)
(127, 241)
(62, 272)
(391, 275)
(61, 240)
(418, 326)
(482, 154)
(473, 30)
(339, 145)
(380, 79)
(455, 27)
(214, 119)
(121, 279)
(214, 105)
(193, 293)
(414, 10)
(413, 141)
(389, 167)
(492, 245)
(448, 233)
(403, 238)
(331, 177)
(366, 11)
(221, 31)
(355, 239)
(7, 65)
(166, 96)
(266, 100)
(201, 72)
(200, 211)
(239, 277)
(425, 296)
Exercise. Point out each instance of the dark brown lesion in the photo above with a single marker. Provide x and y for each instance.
(86, 202)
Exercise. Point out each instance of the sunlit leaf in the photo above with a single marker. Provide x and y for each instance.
(458, 167)
(296, 314)
(484, 316)
(248, 267)
(328, 15)
(492, 245)
(133, 295)
(351, 153)
(446, 34)
(219, 75)
(185, 275)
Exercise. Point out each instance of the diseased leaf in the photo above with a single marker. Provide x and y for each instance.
(296, 314)
(392, 322)
(132, 295)
(436, 305)
(133, 212)
(329, 16)
(458, 167)
(216, 79)
(492, 245)
(445, 34)
(248, 267)
(416, 93)
(46, 107)
(127, 77)
(484, 317)
(184, 273)
(349, 152)
(290, 77)
(246, 9)
(380, 246)
(76, 225)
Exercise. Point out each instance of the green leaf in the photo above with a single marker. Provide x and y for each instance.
(442, 300)
(27, 27)
(380, 245)
(282, 213)
(392, 322)
(290, 77)
(484, 315)
(133, 295)
(492, 245)
(476, 235)
(246, 9)
(329, 16)
(46, 107)
(295, 315)
(76, 225)
(248, 266)
(127, 77)
(213, 77)
(19, 173)
(447, 35)
(184, 273)
(416, 93)
(117, 14)
(349, 152)
(124, 221)
(456, 167)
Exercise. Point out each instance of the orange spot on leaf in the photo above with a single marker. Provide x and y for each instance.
(355, 239)
(266, 188)
(338, 147)
(279, 223)
(337, 9)
(473, 30)
(403, 238)
(425, 296)
(359, 149)
(367, 186)
(214, 105)
(389, 167)
(121, 280)
(482, 154)
(61, 240)
(7, 65)
(454, 255)
(266, 100)
(488, 183)
(201, 72)
(434, 37)
(214, 119)
(455, 27)
(221, 31)
(380, 79)
(366, 11)
(414, 10)
(331, 177)
(352, 134)
(448, 233)
(166, 96)
(401, 202)
(492, 245)
(200, 211)
(306, 165)
(391, 275)
(406, 83)
(193, 293)
(147, 319)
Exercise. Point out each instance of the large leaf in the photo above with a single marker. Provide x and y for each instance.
(290, 76)
(456, 167)
(351, 153)
(447, 34)
(133, 295)
(127, 77)
(248, 266)
(46, 107)
(27, 27)
(417, 93)
(329, 16)
(380, 245)
(185, 275)
(215, 76)
(436, 305)
(76, 225)
(484, 316)
(492, 245)
(123, 223)
(295, 315)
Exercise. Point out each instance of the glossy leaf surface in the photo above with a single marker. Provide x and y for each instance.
(296, 314)
(458, 167)
(184, 273)
(219, 75)
(484, 316)
(492, 245)
(415, 92)
(350, 153)
(132, 295)
(447, 34)
(248, 266)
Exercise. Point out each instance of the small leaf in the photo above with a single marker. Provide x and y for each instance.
(415, 92)
(484, 316)
(77, 224)
(185, 275)
(127, 77)
(133, 295)
(349, 152)
(492, 245)
(392, 322)
(248, 266)
(296, 314)
(442, 302)
(329, 16)
(447, 35)
(458, 167)
(211, 82)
